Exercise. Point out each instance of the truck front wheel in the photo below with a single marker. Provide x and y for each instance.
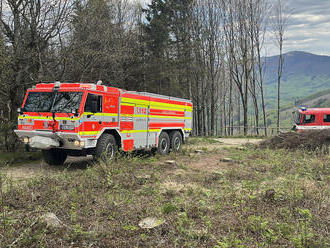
(106, 147)
(163, 143)
(54, 156)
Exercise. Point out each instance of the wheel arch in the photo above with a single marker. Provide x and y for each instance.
(115, 134)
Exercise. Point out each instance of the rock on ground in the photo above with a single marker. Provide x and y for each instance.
(150, 223)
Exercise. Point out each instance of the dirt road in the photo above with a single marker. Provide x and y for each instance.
(227, 142)
(40, 168)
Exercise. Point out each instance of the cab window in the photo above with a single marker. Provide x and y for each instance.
(297, 117)
(308, 119)
(93, 103)
(326, 118)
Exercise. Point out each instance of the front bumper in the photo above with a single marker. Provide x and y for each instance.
(65, 140)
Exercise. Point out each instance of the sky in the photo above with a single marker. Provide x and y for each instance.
(308, 28)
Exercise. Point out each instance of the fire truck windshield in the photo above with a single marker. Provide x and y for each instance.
(57, 102)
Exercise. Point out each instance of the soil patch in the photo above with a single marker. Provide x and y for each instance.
(310, 140)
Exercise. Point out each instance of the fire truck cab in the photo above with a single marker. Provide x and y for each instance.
(79, 119)
(311, 119)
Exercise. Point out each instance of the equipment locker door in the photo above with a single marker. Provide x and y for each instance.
(141, 123)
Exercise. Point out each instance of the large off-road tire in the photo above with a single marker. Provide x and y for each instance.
(176, 141)
(54, 156)
(163, 144)
(106, 147)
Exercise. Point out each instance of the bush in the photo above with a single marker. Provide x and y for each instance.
(8, 139)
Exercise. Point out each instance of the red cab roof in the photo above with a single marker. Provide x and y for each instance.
(308, 111)
(76, 86)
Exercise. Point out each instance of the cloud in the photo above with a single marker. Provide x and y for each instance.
(309, 18)
(308, 29)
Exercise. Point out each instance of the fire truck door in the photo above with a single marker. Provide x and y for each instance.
(141, 123)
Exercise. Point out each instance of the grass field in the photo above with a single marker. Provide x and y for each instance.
(215, 197)
(18, 157)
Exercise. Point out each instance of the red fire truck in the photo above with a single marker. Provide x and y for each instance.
(311, 119)
(79, 119)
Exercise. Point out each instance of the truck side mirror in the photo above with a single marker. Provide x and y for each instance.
(19, 111)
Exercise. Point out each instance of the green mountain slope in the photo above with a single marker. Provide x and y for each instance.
(303, 75)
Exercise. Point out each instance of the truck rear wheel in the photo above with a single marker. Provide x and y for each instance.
(163, 144)
(54, 156)
(176, 141)
(106, 147)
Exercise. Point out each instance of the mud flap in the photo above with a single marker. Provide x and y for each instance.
(44, 143)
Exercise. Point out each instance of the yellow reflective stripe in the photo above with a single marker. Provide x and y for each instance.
(170, 117)
(161, 107)
(156, 116)
(141, 131)
(35, 117)
(89, 133)
(127, 104)
(129, 131)
(188, 109)
(126, 115)
(101, 114)
(64, 118)
(158, 105)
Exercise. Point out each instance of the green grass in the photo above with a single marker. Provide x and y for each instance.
(244, 136)
(268, 198)
(10, 158)
(202, 140)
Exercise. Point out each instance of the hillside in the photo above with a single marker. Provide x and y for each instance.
(303, 74)
(317, 100)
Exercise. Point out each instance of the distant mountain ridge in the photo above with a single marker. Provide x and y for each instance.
(300, 63)
(304, 74)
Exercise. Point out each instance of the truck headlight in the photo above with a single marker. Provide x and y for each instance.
(82, 144)
(77, 143)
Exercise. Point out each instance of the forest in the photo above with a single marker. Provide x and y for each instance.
(209, 51)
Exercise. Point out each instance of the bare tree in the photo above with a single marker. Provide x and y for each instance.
(259, 10)
(236, 30)
(29, 26)
(281, 18)
(260, 28)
